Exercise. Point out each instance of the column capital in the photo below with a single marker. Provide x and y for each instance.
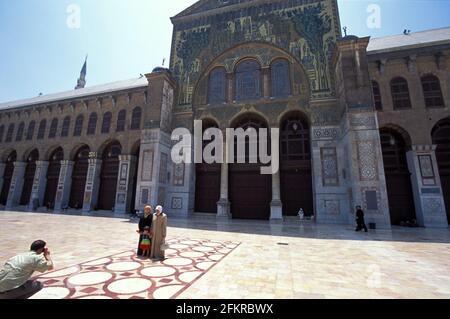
(94, 161)
(67, 163)
(19, 164)
(125, 158)
(424, 148)
(41, 163)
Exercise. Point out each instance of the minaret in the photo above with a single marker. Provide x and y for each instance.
(82, 80)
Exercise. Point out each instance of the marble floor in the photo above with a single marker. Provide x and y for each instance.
(208, 258)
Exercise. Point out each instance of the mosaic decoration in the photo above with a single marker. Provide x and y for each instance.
(166, 108)
(178, 176)
(125, 276)
(163, 168)
(326, 133)
(433, 206)
(332, 207)
(427, 170)
(363, 121)
(177, 203)
(147, 166)
(145, 195)
(306, 29)
(368, 169)
(329, 167)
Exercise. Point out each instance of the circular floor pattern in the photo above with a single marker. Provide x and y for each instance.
(171, 251)
(224, 251)
(231, 246)
(125, 254)
(124, 266)
(98, 262)
(212, 245)
(192, 254)
(189, 242)
(61, 273)
(215, 257)
(95, 297)
(178, 246)
(190, 276)
(205, 265)
(90, 278)
(129, 286)
(178, 262)
(52, 293)
(160, 271)
(203, 249)
(167, 292)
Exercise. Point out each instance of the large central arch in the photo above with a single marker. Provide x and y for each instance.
(207, 180)
(250, 191)
(295, 155)
(441, 138)
(394, 144)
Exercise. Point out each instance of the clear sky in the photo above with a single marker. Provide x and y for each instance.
(43, 44)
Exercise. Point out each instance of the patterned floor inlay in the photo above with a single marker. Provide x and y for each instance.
(125, 276)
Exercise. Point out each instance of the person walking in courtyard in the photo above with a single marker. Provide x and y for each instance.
(159, 230)
(15, 276)
(145, 221)
(361, 224)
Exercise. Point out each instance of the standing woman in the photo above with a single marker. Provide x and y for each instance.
(159, 230)
(144, 222)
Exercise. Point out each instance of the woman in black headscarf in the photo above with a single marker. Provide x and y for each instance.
(144, 222)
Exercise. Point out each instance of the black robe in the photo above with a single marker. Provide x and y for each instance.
(143, 222)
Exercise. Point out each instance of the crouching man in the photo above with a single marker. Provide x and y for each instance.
(15, 276)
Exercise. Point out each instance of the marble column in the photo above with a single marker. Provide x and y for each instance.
(92, 185)
(125, 184)
(39, 185)
(15, 189)
(266, 82)
(223, 205)
(276, 207)
(2, 173)
(230, 87)
(426, 184)
(64, 186)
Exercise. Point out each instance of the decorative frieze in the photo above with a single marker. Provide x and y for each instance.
(367, 159)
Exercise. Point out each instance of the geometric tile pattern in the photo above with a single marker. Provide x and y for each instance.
(126, 276)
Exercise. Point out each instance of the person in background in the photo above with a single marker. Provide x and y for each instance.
(361, 224)
(159, 231)
(145, 221)
(15, 276)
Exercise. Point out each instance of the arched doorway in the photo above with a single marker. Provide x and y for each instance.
(79, 174)
(398, 177)
(7, 177)
(207, 181)
(250, 191)
(295, 175)
(54, 168)
(108, 176)
(441, 138)
(28, 181)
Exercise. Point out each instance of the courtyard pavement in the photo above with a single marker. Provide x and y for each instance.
(208, 258)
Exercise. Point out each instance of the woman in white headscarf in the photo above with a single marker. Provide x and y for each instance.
(159, 230)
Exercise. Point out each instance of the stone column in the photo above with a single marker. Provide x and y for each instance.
(266, 83)
(39, 185)
(276, 207)
(92, 184)
(15, 190)
(426, 184)
(2, 173)
(223, 205)
(230, 86)
(64, 186)
(125, 184)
